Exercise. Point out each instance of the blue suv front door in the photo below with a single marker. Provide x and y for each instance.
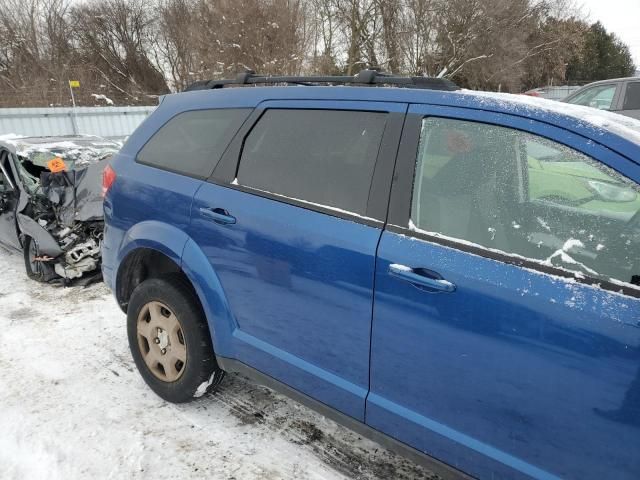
(291, 231)
(505, 338)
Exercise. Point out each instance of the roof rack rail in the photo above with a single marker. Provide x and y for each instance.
(364, 77)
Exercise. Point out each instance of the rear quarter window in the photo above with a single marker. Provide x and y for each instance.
(192, 143)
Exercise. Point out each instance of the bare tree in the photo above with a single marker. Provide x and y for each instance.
(114, 38)
(389, 12)
(324, 38)
(202, 39)
(35, 51)
(176, 41)
(134, 50)
(417, 36)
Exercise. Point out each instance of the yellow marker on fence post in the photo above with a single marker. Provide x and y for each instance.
(74, 121)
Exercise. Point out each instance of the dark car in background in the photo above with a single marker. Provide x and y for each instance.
(620, 95)
(51, 203)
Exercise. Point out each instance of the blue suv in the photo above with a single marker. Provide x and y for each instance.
(454, 274)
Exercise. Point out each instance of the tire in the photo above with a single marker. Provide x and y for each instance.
(169, 340)
(38, 271)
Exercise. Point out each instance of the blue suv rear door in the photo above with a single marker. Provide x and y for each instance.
(290, 222)
(506, 334)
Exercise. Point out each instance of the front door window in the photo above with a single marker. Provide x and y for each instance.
(518, 193)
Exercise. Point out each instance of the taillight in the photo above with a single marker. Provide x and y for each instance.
(108, 177)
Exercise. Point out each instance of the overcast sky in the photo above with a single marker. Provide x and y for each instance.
(621, 17)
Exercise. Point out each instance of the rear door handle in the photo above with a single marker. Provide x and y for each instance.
(218, 215)
(421, 278)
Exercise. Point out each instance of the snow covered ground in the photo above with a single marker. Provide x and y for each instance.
(72, 405)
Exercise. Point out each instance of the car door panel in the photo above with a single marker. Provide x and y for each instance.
(518, 371)
(498, 366)
(299, 286)
(630, 99)
(298, 278)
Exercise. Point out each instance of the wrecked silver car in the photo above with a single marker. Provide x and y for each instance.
(51, 203)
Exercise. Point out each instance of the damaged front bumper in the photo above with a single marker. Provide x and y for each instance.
(66, 221)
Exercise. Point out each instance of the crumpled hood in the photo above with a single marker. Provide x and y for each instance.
(76, 194)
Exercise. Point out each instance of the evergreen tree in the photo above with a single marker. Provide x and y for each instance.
(603, 56)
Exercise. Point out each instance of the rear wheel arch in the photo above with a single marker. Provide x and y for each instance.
(139, 265)
(170, 340)
(144, 261)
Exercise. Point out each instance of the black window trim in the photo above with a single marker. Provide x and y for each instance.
(379, 190)
(249, 111)
(400, 214)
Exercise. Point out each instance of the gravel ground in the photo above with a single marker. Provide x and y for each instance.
(72, 405)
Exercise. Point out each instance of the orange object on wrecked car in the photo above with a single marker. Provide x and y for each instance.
(51, 203)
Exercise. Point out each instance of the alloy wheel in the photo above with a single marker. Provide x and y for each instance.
(161, 341)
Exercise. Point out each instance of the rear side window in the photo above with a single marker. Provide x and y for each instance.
(324, 157)
(632, 97)
(192, 143)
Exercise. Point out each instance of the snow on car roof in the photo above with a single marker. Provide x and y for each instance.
(620, 125)
(83, 150)
(60, 142)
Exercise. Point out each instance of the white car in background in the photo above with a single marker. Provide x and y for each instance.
(620, 95)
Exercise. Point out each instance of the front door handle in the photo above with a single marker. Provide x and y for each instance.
(218, 215)
(422, 278)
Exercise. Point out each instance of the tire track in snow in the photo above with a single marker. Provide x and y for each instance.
(74, 402)
(337, 446)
